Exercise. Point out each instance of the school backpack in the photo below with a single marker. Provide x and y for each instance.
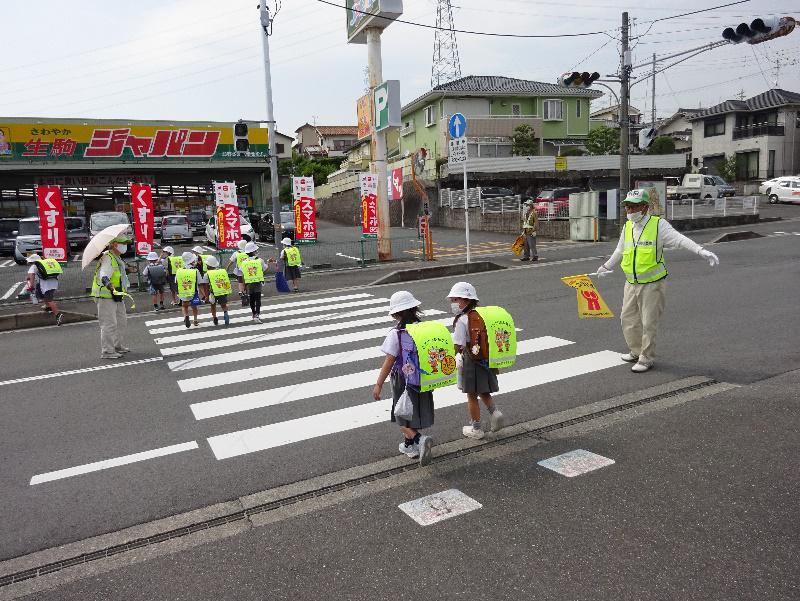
(408, 356)
(157, 275)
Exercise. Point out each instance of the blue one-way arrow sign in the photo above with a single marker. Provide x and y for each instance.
(457, 125)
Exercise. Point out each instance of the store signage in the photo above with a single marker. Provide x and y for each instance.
(51, 223)
(396, 184)
(365, 14)
(225, 192)
(387, 105)
(364, 114)
(369, 205)
(305, 210)
(228, 225)
(303, 186)
(143, 220)
(92, 181)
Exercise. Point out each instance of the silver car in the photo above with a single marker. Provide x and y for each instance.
(176, 227)
(29, 239)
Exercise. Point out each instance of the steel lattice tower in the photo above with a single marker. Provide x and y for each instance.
(446, 65)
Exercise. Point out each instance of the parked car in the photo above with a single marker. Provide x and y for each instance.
(8, 233)
(28, 241)
(287, 225)
(266, 231)
(244, 226)
(102, 219)
(197, 221)
(554, 203)
(77, 232)
(176, 228)
(697, 185)
(781, 189)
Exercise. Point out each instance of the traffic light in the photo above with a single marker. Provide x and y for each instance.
(240, 141)
(578, 80)
(759, 30)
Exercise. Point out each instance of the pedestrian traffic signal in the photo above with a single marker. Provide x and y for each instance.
(240, 141)
(759, 30)
(578, 80)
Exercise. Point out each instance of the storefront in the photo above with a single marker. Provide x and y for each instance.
(95, 162)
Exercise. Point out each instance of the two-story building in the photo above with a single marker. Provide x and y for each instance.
(495, 106)
(762, 132)
(678, 128)
(609, 116)
(325, 140)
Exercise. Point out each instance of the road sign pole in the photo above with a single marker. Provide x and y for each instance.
(466, 210)
(457, 128)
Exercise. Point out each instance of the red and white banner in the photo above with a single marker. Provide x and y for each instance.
(305, 220)
(303, 186)
(228, 231)
(143, 219)
(51, 223)
(369, 205)
(225, 193)
(396, 184)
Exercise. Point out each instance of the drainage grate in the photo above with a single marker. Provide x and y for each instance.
(326, 490)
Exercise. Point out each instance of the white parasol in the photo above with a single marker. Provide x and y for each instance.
(99, 243)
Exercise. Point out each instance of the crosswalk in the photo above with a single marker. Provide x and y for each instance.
(441, 251)
(304, 339)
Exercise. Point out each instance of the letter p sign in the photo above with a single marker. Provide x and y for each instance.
(387, 105)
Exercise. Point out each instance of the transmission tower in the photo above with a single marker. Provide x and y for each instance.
(446, 66)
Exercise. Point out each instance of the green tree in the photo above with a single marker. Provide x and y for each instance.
(662, 145)
(319, 169)
(573, 152)
(603, 140)
(523, 142)
(728, 168)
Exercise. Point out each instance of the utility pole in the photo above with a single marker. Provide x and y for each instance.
(624, 126)
(653, 96)
(266, 26)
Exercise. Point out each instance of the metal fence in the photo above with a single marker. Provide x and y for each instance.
(454, 199)
(718, 207)
(501, 204)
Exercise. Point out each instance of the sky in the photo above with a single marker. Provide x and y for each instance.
(202, 59)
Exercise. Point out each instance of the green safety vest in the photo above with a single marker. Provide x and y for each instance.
(293, 258)
(186, 280)
(241, 257)
(175, 263)
(51, 266)
(253, 271)
(641, 260)
(501, 335)
(100, 291)
(437, 356)
(203, 259)
(220, 282)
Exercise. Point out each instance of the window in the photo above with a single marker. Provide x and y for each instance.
(280, 148)
(516, 110)
(552, 110)
(747, 165)
(430, 115)
(578, 109)
(771, 164)
(714, 128)
(342, 145)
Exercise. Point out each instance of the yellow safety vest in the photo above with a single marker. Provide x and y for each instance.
(437, 356)
(501, 336)
(293, 258)
(203, 259)
(241, 257)
(175, 263)
(186, 279)
(253, 271)
(51, 266)
(642, 260)
(100, 291)
(220, 282)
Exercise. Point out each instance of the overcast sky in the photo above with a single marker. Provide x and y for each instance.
(202, 59)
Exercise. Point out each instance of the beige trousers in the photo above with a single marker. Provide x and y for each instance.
(642, 305)
(113, 324)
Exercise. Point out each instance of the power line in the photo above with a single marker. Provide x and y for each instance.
(766, 81)
(697, 12)
(592, 53)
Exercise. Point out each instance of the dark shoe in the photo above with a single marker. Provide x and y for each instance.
(535, 259)
(215, 320)
(59, 318)
(524, 259)
(186, 321)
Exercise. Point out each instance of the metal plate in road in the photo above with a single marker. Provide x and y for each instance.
(458, 151)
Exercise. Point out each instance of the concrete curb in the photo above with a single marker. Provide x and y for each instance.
(20, 321)
(734, 236)
(423, 273)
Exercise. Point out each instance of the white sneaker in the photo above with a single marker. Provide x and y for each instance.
(630, 358)
(497, 421)
(411, 451)
(424, 448)
(471, 432)
(641, 367)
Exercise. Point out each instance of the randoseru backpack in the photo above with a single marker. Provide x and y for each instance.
(477, 336)
(157, 275)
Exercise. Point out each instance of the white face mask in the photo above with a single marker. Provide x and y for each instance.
(635, 217)
(122, 248)
(455, 308)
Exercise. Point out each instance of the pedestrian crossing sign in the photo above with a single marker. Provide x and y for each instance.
(590, 303)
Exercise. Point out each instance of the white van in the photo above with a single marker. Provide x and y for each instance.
(176, 228)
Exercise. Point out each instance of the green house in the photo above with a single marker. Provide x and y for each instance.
(494, 107)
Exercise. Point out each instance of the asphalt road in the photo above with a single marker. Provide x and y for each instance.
(308, 391)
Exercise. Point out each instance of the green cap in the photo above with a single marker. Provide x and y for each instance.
(122, 240)
(638, 196)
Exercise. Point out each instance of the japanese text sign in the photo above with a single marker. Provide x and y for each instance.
(590, 303)
(305, 220)
(303, 187)
(225, 193)
(228, 226)
(51, 223)
(143, 220)
(364, 115)
(369, 205)
(396, 184)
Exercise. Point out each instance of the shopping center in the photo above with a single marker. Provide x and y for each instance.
(95, 161)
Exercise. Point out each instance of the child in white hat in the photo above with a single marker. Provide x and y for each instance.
(155, 274)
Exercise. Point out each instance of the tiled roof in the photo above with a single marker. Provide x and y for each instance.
(632, 110)
(768, 100)
(338, 130)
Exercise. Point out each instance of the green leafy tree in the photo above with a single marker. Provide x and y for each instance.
(573, 152)
(319, 169)
(523, 142)
(603, 140)
(728, 168)
(662, 145)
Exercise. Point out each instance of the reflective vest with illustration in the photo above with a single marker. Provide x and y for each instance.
(293, 258)
(640, 261)
(48, 268)
(436, 354)
(175, 263)
(186, 280)
(501, 336)
(100, 291)
(253, 271)
(241, 257)
(220, 282)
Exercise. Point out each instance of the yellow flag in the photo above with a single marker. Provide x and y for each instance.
(590, 303)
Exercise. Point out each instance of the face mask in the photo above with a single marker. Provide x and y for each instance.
(635, 217)
(122, 248)
(455, 308)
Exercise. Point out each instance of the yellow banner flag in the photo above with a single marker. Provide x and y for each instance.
(590, 303)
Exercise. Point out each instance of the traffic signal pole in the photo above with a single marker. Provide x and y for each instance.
(266, 26)
(624, 125)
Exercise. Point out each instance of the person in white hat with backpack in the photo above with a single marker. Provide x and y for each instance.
(155, 274)
(292, 260)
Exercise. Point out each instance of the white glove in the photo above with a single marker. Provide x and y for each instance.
(710, 257)
(602, 271)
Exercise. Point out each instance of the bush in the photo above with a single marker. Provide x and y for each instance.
(662, 145)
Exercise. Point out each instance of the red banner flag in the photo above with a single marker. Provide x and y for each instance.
(369, 205)
(305, 220)
(229, 231)
(51, 223)
(143, 219)
(396, 184)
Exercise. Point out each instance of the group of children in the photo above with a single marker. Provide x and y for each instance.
(476, 378)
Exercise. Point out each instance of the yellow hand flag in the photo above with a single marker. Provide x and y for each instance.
(590, 303)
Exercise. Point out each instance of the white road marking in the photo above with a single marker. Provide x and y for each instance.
(296, 392)
(281, 348)
(575, 463)
(114, 462)
(77, 257)
(347, 256)
(440, 506)
(11, 291)
(84, 370)
(270, 436)
(6, 263)
(209, 330)
(267, 307)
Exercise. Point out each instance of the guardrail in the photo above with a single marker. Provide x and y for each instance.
(719, 207)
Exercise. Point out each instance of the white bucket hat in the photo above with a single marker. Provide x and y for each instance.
(198, 249)
(286, 241)
(152, 256)
(402, 300)
(212, 262)
(169, 249)
(241, 244)
(463, 290)
(188, 258)
(250, 247)
(33, 258)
